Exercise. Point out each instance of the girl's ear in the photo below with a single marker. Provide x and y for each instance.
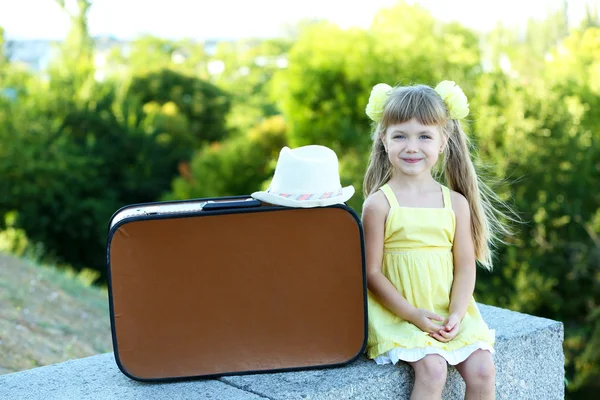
(444, 142)
(382, 138)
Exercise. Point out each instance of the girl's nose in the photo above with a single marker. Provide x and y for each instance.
(412, 146)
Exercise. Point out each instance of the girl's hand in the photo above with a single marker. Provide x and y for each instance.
(423, 319)
(449, 330)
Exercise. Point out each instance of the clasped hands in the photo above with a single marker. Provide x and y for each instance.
(424, 320)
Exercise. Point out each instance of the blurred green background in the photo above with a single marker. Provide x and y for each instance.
(108, 123)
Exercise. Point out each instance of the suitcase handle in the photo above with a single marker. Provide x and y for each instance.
(223, 205)
(182, 207)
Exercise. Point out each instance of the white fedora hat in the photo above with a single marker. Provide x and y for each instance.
(306, 177)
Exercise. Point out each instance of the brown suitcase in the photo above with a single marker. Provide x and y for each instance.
(227, 286)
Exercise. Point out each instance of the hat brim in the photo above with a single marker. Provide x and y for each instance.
(271, 198)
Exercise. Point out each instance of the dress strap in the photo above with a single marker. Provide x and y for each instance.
(446, 196)
(389, 195)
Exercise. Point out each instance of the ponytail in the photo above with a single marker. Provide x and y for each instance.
(487, 221)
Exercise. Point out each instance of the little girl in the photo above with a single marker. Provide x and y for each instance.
(422, 239)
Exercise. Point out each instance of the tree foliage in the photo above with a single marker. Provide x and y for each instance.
(237, 166)
(543, 135)
(74, 149)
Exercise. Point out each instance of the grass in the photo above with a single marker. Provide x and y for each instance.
(48, 316)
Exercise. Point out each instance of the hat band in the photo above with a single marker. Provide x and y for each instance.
(309, 196)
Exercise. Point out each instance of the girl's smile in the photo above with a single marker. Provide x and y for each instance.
(411, 160)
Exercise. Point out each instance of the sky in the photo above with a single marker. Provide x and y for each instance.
(203, 19)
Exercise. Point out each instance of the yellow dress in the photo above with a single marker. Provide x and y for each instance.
(418, 261)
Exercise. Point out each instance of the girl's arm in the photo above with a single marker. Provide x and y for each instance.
(375, 210)
(464, 258)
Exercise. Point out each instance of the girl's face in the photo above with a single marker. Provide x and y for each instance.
(413, 148)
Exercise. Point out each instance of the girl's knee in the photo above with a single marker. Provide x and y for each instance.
(432, 369)
(481, 373)
(485, 372)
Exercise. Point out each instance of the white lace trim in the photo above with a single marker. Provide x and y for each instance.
(452, 357)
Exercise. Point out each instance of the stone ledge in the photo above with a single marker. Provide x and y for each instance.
(529, 365)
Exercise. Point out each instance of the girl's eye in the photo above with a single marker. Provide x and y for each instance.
(399, 137)
(425, 137)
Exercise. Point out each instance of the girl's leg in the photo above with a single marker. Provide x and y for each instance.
(479, 374)
(430, 377)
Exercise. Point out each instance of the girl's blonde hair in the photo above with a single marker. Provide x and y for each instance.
(424, 104)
